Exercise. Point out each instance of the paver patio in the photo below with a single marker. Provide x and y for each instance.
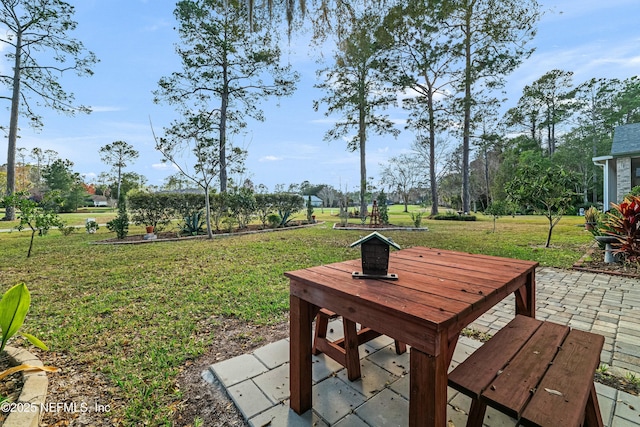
(605, 304)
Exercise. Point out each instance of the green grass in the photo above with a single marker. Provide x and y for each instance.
(137, 313)
(102, 215)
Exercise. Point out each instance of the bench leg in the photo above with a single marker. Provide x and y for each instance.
(345, 350)
(476, 413)
(352, 356)
(401, 348)
(592, 416)
(322, 322)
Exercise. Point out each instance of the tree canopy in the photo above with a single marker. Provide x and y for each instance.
(545, 187)
(40, 49)
(226, 71)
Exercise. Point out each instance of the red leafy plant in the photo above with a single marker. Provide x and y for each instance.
(623, 223)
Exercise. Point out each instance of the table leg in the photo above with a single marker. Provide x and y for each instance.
(301, 318)
(593, 417)
(526, 296)
(428, 388)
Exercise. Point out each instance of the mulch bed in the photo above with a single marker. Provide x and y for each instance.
(10, 387)
(593, 261)
(168, 236)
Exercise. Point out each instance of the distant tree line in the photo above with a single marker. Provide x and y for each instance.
(444, 62)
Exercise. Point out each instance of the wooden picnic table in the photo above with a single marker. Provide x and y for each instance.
(437, 294)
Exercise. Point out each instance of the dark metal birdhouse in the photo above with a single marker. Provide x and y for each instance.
(375, 257)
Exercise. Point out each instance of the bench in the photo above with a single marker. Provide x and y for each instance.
(540, 373)
(344, 350)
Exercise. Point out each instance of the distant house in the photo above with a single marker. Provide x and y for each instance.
(316, 201)
(99, 201)
(622, 166)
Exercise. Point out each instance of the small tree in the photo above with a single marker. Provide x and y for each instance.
(120, 224)
(117, 154)
(328, 195)
(496, 209)
(59, 176)
(547, 189)
(405, 173)
(38, 217)
(383, 209)
(309, 209)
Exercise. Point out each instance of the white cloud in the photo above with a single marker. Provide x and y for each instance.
(157, 25)
(104, 109)
(270, 159)
(560, 8)
(620, 62)
(162, 166)
(89, 176)
(325, 121)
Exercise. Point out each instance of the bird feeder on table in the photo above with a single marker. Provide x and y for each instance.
(375, 257)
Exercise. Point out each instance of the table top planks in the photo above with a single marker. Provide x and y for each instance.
(435, 287)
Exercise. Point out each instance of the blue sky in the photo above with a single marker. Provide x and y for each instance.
(134, 40)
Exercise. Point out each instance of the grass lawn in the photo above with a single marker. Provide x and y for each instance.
(137, 313)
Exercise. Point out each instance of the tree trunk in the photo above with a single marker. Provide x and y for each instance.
(207, 206)
(33, 233)
(549, 234)
(362, 135)
(467, 116)
(10, 212)
(486, 175)
(432, 155)
(552, 141)
(119, 180)
(223, 139)
(224, 106)
(363, 176)
(549, 133)
(549, 215)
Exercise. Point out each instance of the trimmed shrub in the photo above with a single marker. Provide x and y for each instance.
(454, 217)
(152, 209)
(287, 205)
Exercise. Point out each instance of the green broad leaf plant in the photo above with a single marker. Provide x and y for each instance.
(14, 307)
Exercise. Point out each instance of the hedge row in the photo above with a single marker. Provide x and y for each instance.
(455, 217)
(227, 209)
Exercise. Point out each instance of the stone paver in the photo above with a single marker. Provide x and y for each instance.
(258, 383)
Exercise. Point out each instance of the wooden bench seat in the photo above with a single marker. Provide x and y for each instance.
(345, 350)
(539, 373)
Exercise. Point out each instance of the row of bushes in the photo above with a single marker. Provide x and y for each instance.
(227, 209)
(453, 216)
